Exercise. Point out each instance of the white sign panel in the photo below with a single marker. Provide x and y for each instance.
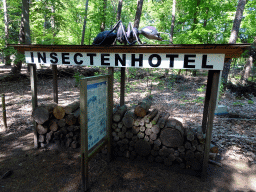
(96, 111)
(140, 60)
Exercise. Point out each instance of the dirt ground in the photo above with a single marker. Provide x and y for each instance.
(23, 168)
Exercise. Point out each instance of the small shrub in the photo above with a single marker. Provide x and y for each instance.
(250, 102)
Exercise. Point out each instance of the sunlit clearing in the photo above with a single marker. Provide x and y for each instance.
(252, 182)
(239, 181)
(240, 166)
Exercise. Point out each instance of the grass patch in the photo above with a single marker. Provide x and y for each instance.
(238, 103)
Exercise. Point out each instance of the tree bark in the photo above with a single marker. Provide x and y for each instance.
(85, 19)
(233, 37)
(162, 120)
(119, 10)
(102, 27)
(138, 14)
(118, 115)
(247, 69)
(7, 60)
(24, 35)
(173, 20)
(128, 119)
(70, 108)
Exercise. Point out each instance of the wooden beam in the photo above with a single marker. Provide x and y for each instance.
(207, 100)
(110, 110)
(212, 105)
(55, 83)
(33, 83)
(230, 50)
(84, 134)
(122, 86)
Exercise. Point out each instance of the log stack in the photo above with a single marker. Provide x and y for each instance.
(156, 137)
(137, 133)
(59, 124)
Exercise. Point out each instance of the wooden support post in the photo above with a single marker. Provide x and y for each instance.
(33, 83)
(84, 133)
(206, 101)
(212, 105)
(122, 86)
(55, 83)
(4, 112)
(110, 110)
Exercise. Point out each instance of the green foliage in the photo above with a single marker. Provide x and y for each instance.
(117, 76)
(196, 21)
(250, 102)
(201, 89)
(197, 100)
(77, 77)
(238, 103)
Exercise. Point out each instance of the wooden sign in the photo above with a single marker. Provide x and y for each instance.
(139, 60)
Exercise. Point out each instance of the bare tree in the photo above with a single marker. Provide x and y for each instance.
(233, 37)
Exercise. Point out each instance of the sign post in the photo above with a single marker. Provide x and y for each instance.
(95, 118)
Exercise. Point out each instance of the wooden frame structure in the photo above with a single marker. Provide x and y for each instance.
(230, 51)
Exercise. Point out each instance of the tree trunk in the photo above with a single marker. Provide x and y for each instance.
(173, 21)
(7, 60)
(102, 27)
(24, 35)
(53, 22)
(249, 64)
(233, 37)
(247, 70)
(119, 10)
(85, 19)
(138, 14)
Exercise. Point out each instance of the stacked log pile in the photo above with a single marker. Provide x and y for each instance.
(137, 133)
(59, 124)
(140, 133)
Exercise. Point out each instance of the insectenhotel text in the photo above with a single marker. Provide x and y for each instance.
(141, 60)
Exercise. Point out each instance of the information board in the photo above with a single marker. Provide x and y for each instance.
(96, 111)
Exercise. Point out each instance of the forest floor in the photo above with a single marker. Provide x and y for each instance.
(23, 168)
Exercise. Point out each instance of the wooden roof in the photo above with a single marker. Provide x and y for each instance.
(230, 50)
